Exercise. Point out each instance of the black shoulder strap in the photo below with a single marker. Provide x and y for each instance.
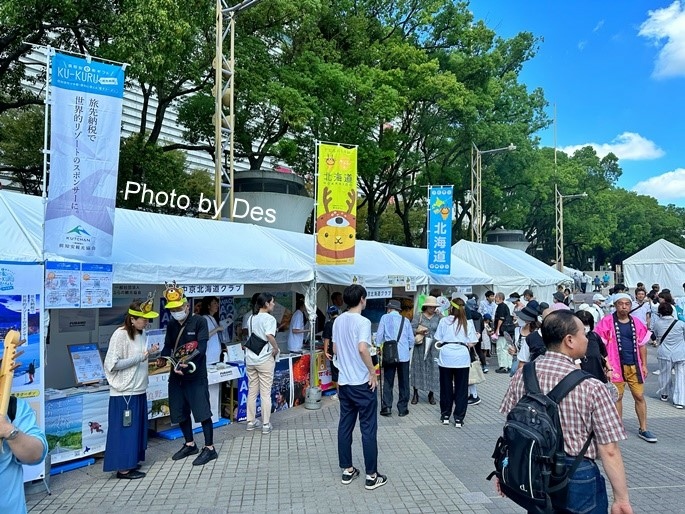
(567, 384)
(12, 409)
(668, 330)
(530, 378)
(401, 327)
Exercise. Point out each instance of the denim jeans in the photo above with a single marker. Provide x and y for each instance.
(587, 491)
(358, 400)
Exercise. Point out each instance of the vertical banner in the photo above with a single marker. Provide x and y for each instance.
(85, 132)
(336, 204)
(21, 308)
(439, 245)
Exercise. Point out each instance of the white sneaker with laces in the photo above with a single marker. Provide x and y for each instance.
(252, 425)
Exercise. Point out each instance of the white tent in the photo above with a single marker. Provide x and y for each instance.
(461, 272)
(511, 270)
(375, 265)
(153, 248)
(660, 263)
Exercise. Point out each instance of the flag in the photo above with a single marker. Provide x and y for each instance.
(440, 208)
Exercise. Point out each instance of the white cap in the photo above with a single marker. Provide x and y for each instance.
(598, 298)
(459, 295)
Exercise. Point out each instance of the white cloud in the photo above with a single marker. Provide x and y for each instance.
(669, 186)
(628, 146)
(582, 45)
(667, 24)
(599, 25)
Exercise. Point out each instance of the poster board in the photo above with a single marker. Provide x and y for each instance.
(86, 362)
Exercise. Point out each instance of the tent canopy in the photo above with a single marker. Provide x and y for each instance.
(375, 265)
(21, 229)
(461, 272)
(511, 270)
(153, 248)
(661, 263)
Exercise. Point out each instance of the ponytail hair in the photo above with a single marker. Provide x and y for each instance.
(458, 310)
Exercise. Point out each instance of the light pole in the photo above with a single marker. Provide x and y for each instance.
(224, 96)
(476, 189)
(559, 208)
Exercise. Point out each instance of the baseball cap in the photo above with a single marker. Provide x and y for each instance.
(598, 298)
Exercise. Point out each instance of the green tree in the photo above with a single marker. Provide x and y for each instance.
(21, 146)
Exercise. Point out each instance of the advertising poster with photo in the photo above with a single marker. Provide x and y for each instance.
(96, 285)
(281, 390)
(21, 309)
(300, 378)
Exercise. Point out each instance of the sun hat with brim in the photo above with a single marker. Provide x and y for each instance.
(394, 304)
(527, 314)
(431, 301)
(145, 308)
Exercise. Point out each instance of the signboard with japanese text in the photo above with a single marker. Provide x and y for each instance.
(85, 133)
(62, 285)
(336, 204)
(213, 289)
(440, 208)
(381, 292)
(96, 285)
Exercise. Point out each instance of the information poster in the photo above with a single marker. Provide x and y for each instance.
(62, 285)
(155, 337)
(87, 363)
(96, 285)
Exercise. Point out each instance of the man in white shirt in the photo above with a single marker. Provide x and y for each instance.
(357, 383)
(597, 307)
(297, 329)
(488, 306)
(641, 307)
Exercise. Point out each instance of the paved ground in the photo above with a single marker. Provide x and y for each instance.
(431, 468)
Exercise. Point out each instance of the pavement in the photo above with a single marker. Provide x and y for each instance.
(430, 467)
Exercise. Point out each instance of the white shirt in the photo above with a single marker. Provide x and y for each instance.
(213, 344)
(350, 329)
(455, 355)
(640, 311)
(262, 324)
(296, 341)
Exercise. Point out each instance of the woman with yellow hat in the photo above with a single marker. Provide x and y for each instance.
(126, 370)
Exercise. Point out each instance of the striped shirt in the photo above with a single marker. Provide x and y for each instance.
(588, 407)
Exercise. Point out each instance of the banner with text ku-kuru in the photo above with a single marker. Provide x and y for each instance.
(440, 207)
(336, 204)
(85, 132)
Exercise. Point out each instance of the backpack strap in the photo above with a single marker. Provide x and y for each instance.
(530, 378)
(567, 384)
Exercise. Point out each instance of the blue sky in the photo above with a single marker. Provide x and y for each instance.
(616, 71)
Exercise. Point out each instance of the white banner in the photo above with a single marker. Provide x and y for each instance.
(85, 132)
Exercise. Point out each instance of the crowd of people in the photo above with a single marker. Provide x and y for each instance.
(436, 352)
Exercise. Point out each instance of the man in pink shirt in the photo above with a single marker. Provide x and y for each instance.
(625, 338)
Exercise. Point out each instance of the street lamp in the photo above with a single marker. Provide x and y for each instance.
(476, 189)
(559, 204)
(224, 96)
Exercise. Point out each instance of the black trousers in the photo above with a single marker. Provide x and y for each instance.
(402, 370)
(454, 390)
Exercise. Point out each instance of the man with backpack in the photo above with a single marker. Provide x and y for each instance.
(22, 443)
(563, 428)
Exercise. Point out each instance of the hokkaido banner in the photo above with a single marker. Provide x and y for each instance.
(439, 229)
(85, 131)
(336, 204)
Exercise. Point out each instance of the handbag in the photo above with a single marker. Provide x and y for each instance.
(476, 375)
(419, 339)
(255, 343)
(390, 351)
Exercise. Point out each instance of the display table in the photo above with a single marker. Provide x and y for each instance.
(76, 419)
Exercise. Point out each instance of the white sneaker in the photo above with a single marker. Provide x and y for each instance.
(335, 397)
(267, 428)
(251, 425)
(657, 372)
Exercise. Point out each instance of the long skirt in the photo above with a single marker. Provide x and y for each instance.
(126, 445)
(424, 371)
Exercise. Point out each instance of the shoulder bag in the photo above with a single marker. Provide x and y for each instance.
(390, 351)
(255, 343)
(667, 331)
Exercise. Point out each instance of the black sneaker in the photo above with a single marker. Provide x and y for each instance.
(133, 474)
(185, 451)
(474, 400)
(348, 476)
(205, 457)
(375, 482)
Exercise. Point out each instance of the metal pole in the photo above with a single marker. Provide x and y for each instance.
(479, 206)
(218, 110)
(231, 116)
(473, 196)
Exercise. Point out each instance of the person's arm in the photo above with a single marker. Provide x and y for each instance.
(643, 358)
(363, 347)
(408, 333)
(27, 446)
(612, 462)
(271, 336)
(380, 331)
(326, 342)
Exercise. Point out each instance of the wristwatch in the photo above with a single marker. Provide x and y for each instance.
(13, 434)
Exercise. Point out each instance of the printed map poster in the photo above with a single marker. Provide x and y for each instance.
(85, 132)
(439, 241)
(96, 285)
(336, 204)
(62, 285)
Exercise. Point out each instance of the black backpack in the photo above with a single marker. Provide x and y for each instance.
(530, 461)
